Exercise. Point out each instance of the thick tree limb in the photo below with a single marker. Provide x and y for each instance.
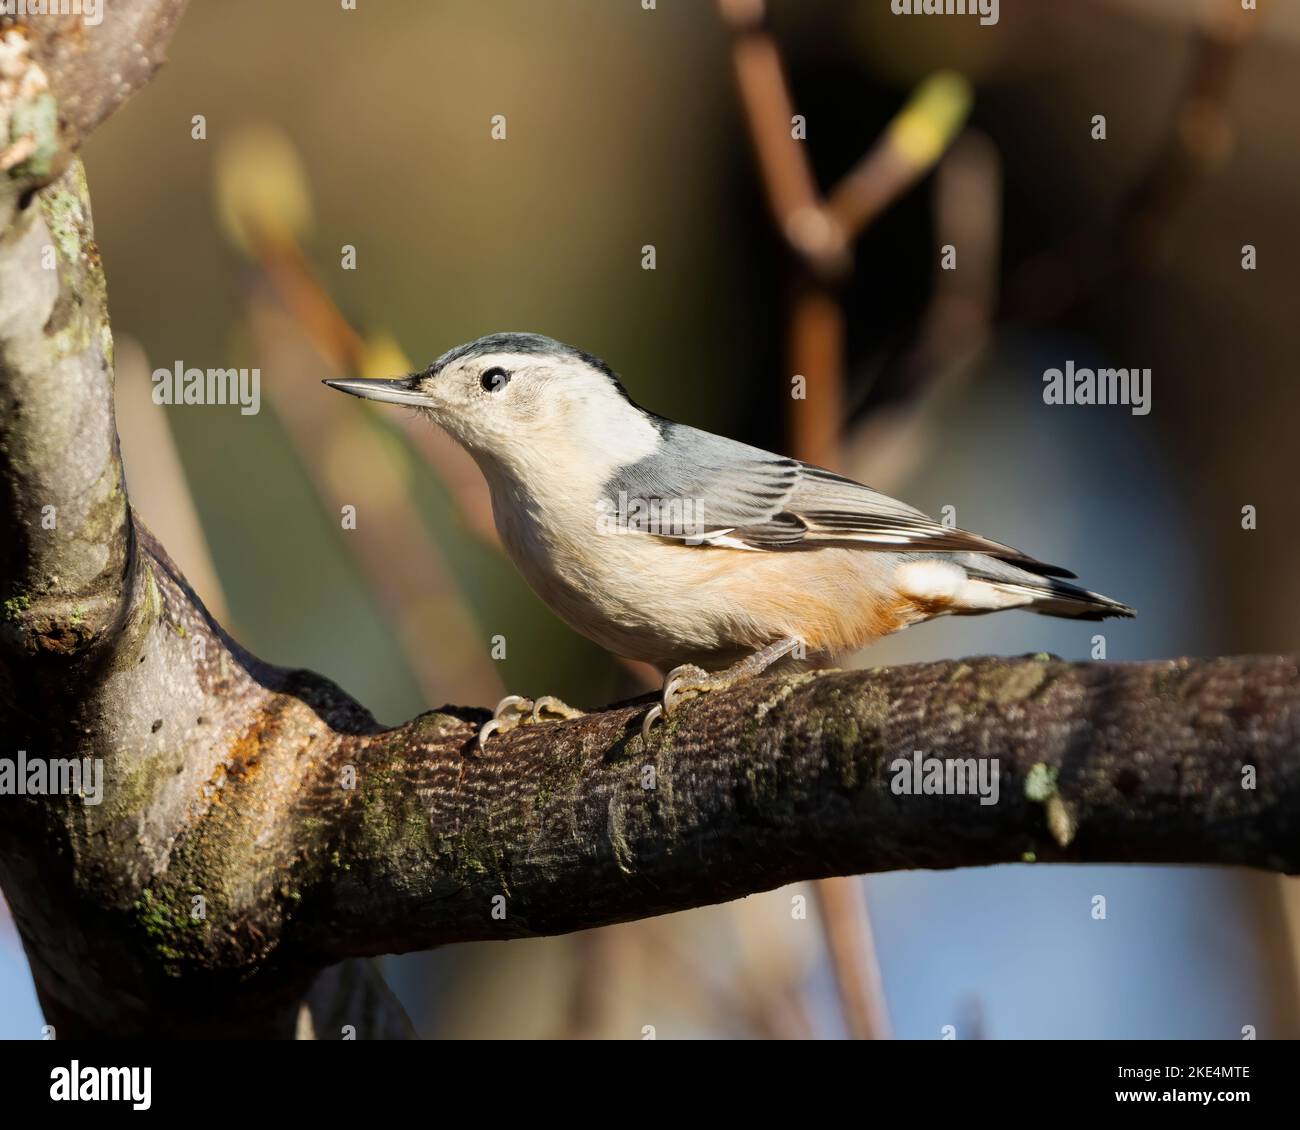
(790, 778)
(95, 67)
(258, 826)
(61, 75)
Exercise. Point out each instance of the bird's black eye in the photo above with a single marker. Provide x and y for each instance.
(494, 380)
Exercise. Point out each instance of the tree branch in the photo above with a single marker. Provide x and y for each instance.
(791, 778)
(61, 76)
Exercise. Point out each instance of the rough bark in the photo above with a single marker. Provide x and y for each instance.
(61, 76)
(312, 835)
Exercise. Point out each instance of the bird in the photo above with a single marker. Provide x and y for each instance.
(707, 558)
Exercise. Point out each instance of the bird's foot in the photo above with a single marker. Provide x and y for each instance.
(688, 681)
(683, 683)
(516, 710)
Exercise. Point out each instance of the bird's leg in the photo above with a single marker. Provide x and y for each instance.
(515, 710)
(687, 681)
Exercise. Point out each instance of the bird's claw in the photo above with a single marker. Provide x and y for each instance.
(508, 714)
(516, 710)
(647, 723)
(682, 683)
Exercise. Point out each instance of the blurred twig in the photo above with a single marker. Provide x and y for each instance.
(300, 289)
(595, 968)
(264, 201)
(819, 231)
(891, 441)
(843, 910)
(400, 562)
(914, 142)
(749, 1004)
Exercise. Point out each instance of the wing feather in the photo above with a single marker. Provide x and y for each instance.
(729, 493)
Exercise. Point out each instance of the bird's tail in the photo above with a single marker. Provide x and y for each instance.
(1050, 596)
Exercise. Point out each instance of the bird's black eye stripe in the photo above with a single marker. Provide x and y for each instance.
(494, 379)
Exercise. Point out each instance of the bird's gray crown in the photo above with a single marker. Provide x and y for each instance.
(538, 345)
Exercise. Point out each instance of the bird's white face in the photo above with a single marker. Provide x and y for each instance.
(525, 414)
(528, 413)
(494, 403)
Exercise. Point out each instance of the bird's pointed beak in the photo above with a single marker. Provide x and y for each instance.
(405, 390)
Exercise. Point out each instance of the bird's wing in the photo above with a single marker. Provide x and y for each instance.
(715, 491)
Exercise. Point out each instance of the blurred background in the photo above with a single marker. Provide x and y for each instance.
(226, 243)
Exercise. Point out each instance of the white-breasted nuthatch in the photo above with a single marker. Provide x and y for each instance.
(708, 558)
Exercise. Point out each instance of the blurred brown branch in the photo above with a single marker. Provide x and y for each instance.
(843, 909)
(820, 231)
(298, 286)
(401, 563)
(749, 1004)
(891, 441)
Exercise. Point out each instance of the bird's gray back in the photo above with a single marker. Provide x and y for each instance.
(727, 483)
(743, 495)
